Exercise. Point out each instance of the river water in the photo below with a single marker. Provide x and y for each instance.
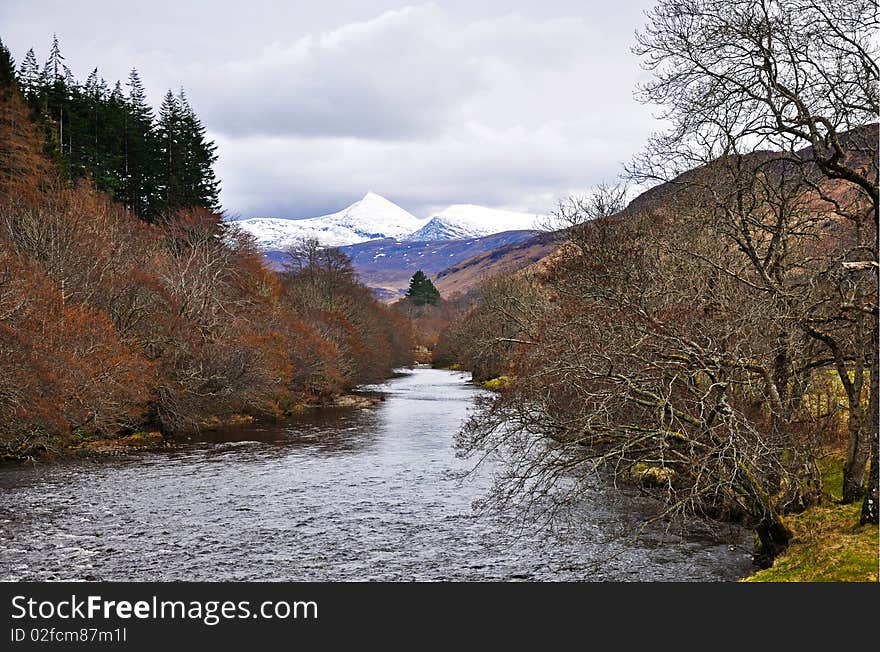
(337, 494)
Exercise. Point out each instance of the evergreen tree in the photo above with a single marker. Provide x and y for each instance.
(69, 80)
(7, 67)
(29, 76)
(52, 103)
(94, 141)
(201, 154)
(422, 290)
(140, 154)
(53, 69)
(90, 121)
(186, 176)
(170, 156)
(149, 164)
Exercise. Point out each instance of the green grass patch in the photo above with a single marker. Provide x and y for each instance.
(828, 544)
(831, 469)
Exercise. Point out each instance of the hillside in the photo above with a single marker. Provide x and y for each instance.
(512, 257)
(115, 329)
(860, 151)
(460, 277)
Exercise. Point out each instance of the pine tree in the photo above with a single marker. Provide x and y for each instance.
(186, 177)
(140, 155)
(92, 118)
(29, 76)
(422, 290)
(150, 164)
(202, 187)
(54, 67)
(170, 155)
(92, 100)
(53, 98)
(7, 67)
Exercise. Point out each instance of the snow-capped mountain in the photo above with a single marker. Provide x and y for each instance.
(376, 218)
(371, 218)
(470, 221)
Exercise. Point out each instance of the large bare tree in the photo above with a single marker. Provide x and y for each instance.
(800, 77)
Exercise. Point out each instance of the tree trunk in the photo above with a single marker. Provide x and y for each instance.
(856, 463)
(772, 537)
(869, 506)
(858, 447)
(771, 534)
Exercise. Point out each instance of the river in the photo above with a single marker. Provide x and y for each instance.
(336, 494)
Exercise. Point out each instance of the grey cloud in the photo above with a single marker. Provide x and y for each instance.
(399, 75)
(513, 103)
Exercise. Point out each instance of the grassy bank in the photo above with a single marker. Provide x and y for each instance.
(829, 545)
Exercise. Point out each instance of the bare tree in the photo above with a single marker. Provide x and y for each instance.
(800, 77)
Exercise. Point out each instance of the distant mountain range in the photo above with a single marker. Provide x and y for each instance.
(387, 265)
(465, 244)
(377, 218)
(387, 244)
(371, 218)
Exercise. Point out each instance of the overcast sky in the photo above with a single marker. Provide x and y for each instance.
(509, 103)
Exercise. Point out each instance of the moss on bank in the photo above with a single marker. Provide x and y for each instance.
(828, 545)
(499, 384)
(118, 445)
(226, 421)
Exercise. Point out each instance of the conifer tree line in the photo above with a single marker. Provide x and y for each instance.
(150, 162)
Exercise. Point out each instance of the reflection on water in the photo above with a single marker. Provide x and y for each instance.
(336, 494)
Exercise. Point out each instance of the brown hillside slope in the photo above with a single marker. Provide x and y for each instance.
(540, 252)
(461, 277)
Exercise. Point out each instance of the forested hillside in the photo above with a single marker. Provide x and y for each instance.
(150, 162)
(126, 301)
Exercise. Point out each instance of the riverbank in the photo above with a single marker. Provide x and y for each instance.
(829, 545)
(46, 448)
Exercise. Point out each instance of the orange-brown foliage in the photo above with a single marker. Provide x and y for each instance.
(107, 322)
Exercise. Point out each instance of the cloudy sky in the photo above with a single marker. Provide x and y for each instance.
(511, 104)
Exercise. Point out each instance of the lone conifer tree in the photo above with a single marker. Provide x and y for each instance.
(422, 290)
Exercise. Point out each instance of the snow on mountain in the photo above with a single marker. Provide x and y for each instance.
(371, 218)
(376, 218)
(470, 221)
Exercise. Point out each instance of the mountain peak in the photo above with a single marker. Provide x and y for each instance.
(472, 221)
(375, 217)
(372, 218)
(375, 200)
